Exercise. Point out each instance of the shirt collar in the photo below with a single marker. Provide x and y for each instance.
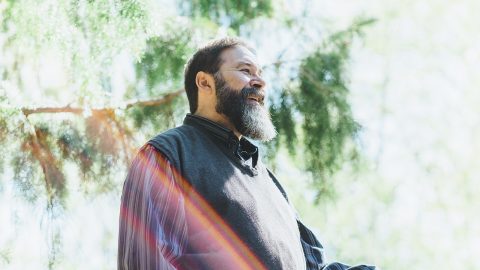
(242, 148)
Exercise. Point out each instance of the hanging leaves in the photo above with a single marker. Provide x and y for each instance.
(328, 124)
(172, 48)
(319, 103)
(282, 117)
(233, 13)
(38, 145)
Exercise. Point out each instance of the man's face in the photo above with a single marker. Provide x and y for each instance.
(240, 94)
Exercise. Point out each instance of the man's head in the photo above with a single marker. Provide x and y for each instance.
(223, 83)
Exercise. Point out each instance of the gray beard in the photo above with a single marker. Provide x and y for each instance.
(250, 119)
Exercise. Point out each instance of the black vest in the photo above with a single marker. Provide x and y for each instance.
(226, 172)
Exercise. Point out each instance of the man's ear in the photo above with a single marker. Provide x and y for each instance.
(205, 82)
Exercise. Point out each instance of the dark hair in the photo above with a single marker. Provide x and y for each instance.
(206, 59)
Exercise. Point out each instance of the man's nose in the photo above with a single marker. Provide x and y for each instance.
(257, 82)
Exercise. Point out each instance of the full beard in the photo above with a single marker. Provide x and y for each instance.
(250, 118)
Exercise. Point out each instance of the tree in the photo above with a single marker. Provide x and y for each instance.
(85, 82)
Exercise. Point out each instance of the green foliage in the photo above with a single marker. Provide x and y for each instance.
(74, 147)
(86, 35)
(319, 103)
(40, 144)
(3, 133)
(11, 128)
(328, 124)
(5, 256)
(282, 117)
(26, 177)
(164, 58)
(156, 118)
(233, 13)
(93, 145)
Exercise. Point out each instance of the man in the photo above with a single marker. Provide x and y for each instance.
(198, 197)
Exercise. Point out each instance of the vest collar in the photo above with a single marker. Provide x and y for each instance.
(242, 148)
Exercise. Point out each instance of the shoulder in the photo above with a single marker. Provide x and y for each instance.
(175, 141)
(174, 134)
(172, 138)
(147, 158)
(143, 168)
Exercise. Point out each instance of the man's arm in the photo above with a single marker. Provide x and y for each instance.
(314, 254)
(152, 232)
(312, 249)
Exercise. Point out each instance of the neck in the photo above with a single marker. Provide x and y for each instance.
(220, 119)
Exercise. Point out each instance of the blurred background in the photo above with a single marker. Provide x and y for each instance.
(376, 104)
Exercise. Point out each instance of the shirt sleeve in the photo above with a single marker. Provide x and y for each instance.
(152, 227)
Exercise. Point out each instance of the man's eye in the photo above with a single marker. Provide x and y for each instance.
(244, 70)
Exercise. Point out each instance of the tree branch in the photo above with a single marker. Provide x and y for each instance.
(76, 110)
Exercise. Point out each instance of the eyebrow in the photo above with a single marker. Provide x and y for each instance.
(243, 63)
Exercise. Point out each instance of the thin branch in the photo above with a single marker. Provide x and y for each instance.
(76, 110)
(155, 102)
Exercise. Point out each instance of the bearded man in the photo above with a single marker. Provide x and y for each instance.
(198, 196)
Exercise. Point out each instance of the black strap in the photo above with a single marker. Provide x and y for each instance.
(275, 181)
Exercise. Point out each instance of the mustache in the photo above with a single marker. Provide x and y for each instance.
(257, 93)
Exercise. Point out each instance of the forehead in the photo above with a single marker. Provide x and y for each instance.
(236, 55)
